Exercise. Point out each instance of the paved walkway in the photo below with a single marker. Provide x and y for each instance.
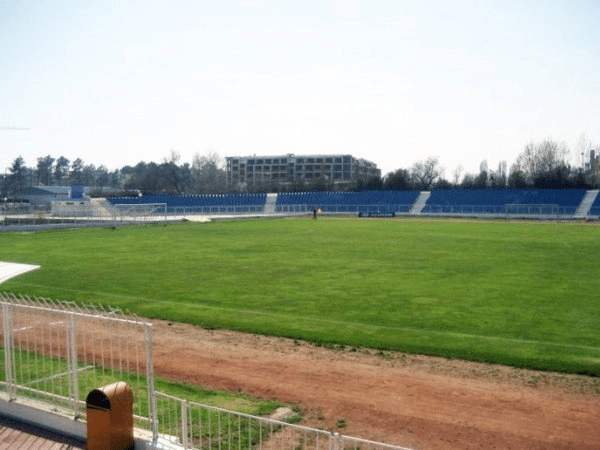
(19, 436)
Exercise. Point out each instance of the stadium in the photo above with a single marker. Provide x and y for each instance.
(387, 323)
(545, 204)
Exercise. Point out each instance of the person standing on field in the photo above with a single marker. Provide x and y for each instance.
(315, 214)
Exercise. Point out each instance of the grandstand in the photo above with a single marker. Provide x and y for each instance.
(199, 204)
(505, 202)
(555, 204)
(532, 203)
(348, 202)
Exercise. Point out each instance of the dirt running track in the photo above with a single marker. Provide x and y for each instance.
(413, 401)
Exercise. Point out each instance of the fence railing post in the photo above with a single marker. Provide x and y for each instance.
(152, 407)
(8, 351)
(73, 364)
(184, 425)
(338, 441)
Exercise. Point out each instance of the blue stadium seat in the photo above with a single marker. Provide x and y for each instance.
(495, 201)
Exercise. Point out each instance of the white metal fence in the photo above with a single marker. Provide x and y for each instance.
(192, 426)
(100, 210)
(58, 352)
(542, 211)
(79, 213)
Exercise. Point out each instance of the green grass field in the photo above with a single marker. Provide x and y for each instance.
(522, 294)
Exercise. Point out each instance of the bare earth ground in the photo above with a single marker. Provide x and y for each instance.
(413, 401)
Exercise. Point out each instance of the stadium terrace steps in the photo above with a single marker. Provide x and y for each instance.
(595, 208)
(270, 204)
(583, 210)
(103, 207)
(420, 203)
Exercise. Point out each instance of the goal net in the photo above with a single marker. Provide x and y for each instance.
(141, 210)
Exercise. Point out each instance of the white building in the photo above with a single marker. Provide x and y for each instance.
(255, 171)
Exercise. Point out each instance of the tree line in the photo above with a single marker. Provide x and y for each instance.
(206, 174)
(542, 164)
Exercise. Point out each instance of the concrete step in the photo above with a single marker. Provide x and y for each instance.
(588, 200)
(270, 203)
(420, 202)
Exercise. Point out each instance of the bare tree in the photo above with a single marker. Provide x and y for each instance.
(540, 160)
(484, 175)
(589, 153)
(499, 178)
(584, 147)
(426, 173)
(174, 179)
(209, 174)
(457, 174)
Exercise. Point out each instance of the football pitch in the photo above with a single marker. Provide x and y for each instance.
(516, 293)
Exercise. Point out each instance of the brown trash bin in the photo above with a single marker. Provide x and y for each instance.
(110, 418)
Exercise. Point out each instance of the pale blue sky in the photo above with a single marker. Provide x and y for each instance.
(118, 82)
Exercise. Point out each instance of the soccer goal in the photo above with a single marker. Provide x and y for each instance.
(141, 211)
